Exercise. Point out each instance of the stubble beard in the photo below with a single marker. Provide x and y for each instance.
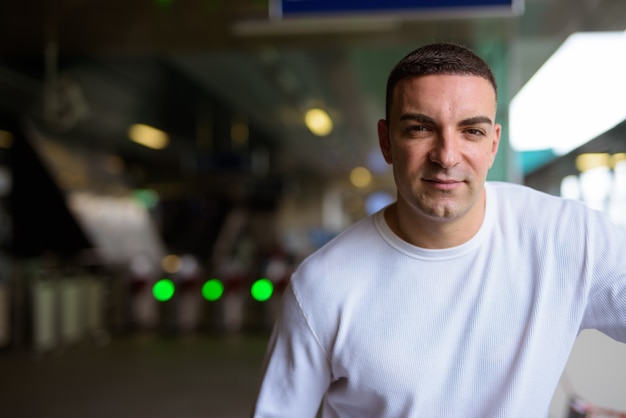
(442, 205)
(438, 205)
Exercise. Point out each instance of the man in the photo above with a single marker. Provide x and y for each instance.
(461, 299)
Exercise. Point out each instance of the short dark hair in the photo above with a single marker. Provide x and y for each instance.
(438, 58)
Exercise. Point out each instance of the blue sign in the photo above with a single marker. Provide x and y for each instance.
(303, 8)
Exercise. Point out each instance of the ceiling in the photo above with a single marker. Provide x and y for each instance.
(193, 67)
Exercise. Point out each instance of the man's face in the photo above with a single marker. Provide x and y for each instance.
(442, 139)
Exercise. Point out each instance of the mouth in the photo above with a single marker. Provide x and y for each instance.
(443, 184)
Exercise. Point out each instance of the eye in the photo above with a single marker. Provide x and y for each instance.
(417, 129)
(474, 132)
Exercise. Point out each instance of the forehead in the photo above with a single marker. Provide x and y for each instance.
(463, 91)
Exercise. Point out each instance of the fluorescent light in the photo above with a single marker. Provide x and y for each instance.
(148, 136)
(590, 161)
(618, 158)
(577, 95)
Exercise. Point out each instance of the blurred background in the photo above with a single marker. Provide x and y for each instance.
(165, 164)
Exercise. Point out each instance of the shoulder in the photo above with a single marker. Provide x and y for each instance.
(340, 261)
(530, 210)
(347, 242)
(526, 200)
(324, 282)
(517, 191)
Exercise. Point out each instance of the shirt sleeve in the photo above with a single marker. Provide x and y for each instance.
(606, 306)
(296, 371)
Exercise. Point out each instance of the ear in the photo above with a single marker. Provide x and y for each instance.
(497, 131)
(383, 140)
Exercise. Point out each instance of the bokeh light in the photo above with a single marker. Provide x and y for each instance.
(163, 290)
(212, 290)
(262, 290)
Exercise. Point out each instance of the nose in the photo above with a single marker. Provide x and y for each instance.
(445, 150)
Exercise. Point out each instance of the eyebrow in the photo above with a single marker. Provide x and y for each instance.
(422, 118)
(476, 120)
(417, 117)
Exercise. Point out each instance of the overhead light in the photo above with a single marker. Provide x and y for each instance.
(6, 139)
(360, 177)
(239, 132)
(590, 161)
(170, 263)
(148, 136)
(318, 121)
(578, 94)
(618, 158)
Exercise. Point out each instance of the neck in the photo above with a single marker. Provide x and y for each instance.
(434, 233)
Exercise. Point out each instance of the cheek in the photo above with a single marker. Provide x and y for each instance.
(402, 156)
(409, 165)
(490, 156)
(482, 162)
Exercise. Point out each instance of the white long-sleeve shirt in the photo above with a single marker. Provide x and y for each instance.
(372, 326)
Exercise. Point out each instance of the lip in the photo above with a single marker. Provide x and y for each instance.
(443, 184)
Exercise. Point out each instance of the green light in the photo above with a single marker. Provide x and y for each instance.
(146, 198)
(163, 290)
(262, 290)
(212, 290)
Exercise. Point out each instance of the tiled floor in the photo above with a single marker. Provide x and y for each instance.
(142, 376)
